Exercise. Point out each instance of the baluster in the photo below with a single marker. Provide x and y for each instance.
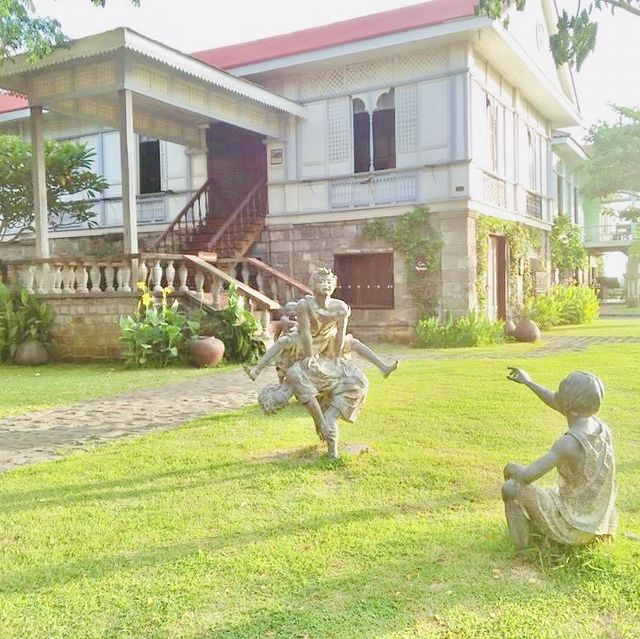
(170, 274)
(291, 293)
(42, 278)
(83, 279)
(183, 273)
(124, 278)
(57, 279)
(199, 279)
(69, 279)
(265, 320)
(94, 273)
(274, 289)
(216, 291)
(109, 272)
(244, 270)
(29, 278)
(143, 271)
(260, 281)
(156, 273)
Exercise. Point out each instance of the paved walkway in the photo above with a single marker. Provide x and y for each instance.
(38, 436)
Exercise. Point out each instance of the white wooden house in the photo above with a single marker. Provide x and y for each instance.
(366, 118)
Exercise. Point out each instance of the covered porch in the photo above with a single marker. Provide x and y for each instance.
(125, 81)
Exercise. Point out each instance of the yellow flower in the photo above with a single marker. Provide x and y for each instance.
(142, 286)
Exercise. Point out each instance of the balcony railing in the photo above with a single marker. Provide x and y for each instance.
(623, 233)
(495, 190)
(373, 190)
(534, 205)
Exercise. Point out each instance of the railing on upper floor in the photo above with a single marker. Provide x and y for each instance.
(494, 189)
(534, 205)
(370, 189)
(620, 232)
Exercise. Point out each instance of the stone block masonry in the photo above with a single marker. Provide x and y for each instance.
(87, 327)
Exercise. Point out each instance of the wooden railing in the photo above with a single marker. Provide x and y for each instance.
(274, 283)
(188, 223)
(244, 221)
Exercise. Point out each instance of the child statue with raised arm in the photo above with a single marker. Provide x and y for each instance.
(582, 506)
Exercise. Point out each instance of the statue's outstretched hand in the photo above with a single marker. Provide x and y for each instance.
(518, 375)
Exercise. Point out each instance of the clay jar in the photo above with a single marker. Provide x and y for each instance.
(31, 353)
(526, 330)
(206, 351)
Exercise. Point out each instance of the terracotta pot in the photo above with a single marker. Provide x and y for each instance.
(31, 353)
(206, 351)
(526, 330)
(509, 327)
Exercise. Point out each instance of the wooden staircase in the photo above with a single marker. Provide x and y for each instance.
(198, 228)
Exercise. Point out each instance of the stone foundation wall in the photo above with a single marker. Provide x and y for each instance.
(87, 327)
(298, 249)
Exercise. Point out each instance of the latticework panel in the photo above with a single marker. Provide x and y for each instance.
(407, 118)
(339, 132)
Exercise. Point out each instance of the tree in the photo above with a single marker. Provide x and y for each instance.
(576, 35)
(614, 165)
(70, 184)
(21, 31)
(567, 250)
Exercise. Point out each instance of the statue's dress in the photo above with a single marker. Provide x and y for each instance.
(582, 506)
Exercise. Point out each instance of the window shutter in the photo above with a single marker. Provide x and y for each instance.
(339, 137)
(313, 154)
(111, 163)
(406, 100)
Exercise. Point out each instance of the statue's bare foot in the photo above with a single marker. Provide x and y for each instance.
(390, 368)
(251, 371)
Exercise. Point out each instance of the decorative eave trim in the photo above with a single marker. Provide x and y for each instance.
(128, 40)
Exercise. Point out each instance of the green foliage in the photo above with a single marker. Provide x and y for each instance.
(22, 31)
(22, 317)
(576, 33)
(237, 328)
(567, 249)
(564, 305)
(521, 239)
(469, 330)
(69, 175)
(614, 163)
(411, 235)
(157, 333)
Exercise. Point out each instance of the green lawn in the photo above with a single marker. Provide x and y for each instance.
(26, 389)
(238, 526)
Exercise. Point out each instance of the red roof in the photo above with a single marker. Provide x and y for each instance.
(378, 24)
(12, 103)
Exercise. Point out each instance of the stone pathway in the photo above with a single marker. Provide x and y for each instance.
(39, 436)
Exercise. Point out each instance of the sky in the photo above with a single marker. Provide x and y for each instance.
(610, 74)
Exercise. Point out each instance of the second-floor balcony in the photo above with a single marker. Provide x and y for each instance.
(618, 235)
(369, 189)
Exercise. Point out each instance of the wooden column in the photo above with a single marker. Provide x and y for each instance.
(129, 171)
(39, 179)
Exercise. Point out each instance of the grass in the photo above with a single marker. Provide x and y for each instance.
(237, 526)
(26, 389)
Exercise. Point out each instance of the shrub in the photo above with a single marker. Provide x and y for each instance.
(22, 317)
(157, 333)
(469, 330)
(564, 304)
(237, 328)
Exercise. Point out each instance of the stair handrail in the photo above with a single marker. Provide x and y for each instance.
(185, 209)
(260, 299)
(262, 181)
(273, 272)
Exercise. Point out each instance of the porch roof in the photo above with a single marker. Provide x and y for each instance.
(174, 94)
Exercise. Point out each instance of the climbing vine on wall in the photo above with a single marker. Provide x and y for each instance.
(412, 236)
(521, 240)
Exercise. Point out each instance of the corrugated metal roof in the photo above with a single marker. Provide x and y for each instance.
(371, 26)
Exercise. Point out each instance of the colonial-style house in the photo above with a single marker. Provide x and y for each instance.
(285, 148)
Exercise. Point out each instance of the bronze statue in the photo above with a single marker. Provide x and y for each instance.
(312, 359)
(582, 506)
